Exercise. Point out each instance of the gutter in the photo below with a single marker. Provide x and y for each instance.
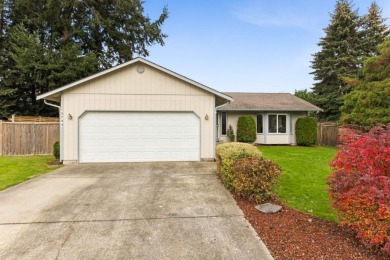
(224, 104)
(50, 104)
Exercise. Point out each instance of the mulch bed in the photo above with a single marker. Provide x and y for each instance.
(291, 234)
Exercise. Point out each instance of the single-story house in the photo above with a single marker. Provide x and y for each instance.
(136, 112)
(139, 111)
(275, 115)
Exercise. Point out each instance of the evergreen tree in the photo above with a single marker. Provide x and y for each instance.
(49, 43)
(369, 102)
(305, 95)
(374, 30)
(6, 93)
(37, 69)
(340, 56)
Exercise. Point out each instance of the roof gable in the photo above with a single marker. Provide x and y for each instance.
(222, 98)
(267, 102)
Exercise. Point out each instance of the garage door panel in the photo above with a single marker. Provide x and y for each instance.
(139, 136)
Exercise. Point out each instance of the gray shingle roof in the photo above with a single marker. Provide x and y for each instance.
(267, 102)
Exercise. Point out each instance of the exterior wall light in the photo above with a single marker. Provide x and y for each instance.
(70, 116)
(206, 117)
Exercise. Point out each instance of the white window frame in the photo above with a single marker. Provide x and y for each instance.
(277, 124)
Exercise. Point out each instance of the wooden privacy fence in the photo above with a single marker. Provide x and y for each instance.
(22, 138)
(327, 134)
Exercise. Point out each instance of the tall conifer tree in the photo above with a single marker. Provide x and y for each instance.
(369, 102)
(49, 43)
(340, 56)
(374, 30)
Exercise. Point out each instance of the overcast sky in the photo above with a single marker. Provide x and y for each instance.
(245, 45)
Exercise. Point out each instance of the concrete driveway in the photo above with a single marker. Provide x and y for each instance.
(125, 211)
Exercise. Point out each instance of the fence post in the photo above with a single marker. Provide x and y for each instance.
(1, 137)
(34, 138)
(13, 118)
(318, 134)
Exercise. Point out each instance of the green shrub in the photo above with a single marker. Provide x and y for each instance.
(230, 134)
(56, 150)
(306, 131)
(246, 129)
(254, 178)
(227, 154)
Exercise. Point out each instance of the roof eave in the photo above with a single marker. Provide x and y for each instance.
(139, 59)
(78, 82)
(267, 109)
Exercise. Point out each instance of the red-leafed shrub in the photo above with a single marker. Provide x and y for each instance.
(360, 184)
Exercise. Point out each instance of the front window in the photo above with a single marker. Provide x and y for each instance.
(277, 124)
(224, 122)
(259, 124)
(272, 124)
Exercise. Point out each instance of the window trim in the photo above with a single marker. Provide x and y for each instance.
(277, 124)
(262, 124)
(226, 125)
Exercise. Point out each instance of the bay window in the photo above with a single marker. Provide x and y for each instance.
(277, 124)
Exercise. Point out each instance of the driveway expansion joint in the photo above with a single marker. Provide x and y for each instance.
(115, 177)
(118, 220)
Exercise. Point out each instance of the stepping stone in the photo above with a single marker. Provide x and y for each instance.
(269, 208)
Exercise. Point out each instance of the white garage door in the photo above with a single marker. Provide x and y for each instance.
(139, 137)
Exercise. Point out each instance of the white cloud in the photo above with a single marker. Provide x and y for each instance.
(276, 14)
(281, 19)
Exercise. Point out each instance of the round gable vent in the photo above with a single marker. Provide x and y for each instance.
(140, 69)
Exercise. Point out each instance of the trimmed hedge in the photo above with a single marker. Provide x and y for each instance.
(56, 150)
(306, 131)
(227, 154)
(246, 129)
(254, 178)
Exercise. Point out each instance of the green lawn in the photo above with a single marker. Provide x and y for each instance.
(17, 169)
(302, 185)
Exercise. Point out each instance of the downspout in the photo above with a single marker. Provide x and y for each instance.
(61, 127)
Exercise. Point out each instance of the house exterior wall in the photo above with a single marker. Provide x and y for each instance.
(265, 138)
(128, 90)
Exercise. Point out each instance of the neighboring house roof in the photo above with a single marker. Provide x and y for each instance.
(266, 102)
(221, 97)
